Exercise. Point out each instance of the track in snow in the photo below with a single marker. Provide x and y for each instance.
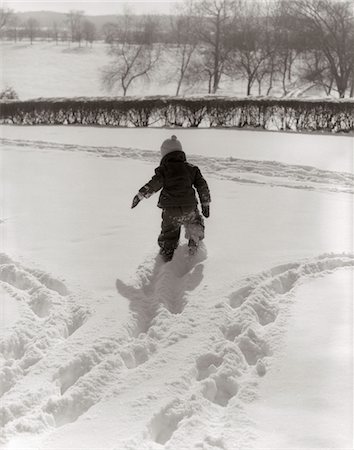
(163, 285)
(270, 173)
(212, 352)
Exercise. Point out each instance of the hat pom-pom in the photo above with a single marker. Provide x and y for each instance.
(174, 137)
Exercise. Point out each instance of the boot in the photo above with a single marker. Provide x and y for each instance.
(192, 247)
(166, 254)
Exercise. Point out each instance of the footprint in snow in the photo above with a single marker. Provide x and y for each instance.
(160, 283)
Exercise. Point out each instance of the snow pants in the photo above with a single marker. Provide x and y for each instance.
(173, 219)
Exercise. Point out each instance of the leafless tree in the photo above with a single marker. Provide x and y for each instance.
(315, 70)
(75, 22)
(31, 26)
(329, 25)
(253, 46)
(89, 31)
(13, 26)
(147, 29)
(130, 61)
(109, 31)
(5, 16)
(55, 32)
(216, 21)
(288, 43)
(185, 41)
(351, 94)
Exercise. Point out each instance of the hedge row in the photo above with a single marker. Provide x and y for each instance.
(265, 113)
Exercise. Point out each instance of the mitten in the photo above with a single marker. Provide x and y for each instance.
(206, 209)
(137, 199)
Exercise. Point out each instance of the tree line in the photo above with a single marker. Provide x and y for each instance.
(75, 28)
(265, 43)
(261, 42)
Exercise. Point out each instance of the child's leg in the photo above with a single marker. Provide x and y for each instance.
(194, 225)
(170, 231)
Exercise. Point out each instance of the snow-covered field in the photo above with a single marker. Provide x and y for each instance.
(67, 71)
(50, 70)
(246, 345)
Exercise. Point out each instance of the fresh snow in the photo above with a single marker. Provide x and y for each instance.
(9, 310)
(335, 153)
(67, 71)
(72, 71)
(311, 383)
(110, 348)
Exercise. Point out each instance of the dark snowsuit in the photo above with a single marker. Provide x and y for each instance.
(177, 179)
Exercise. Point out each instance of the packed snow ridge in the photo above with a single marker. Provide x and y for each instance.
(269, 173)
(63, 359)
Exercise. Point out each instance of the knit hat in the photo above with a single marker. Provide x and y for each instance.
(170, 145)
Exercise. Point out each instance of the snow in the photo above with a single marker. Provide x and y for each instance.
(72, 71)
(333, 153)
(9, 311)
(113, 349)
(67, 71)
(312, 383)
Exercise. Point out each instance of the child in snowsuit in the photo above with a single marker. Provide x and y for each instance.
(177, 179)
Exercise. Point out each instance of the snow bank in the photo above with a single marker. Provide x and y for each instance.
(209, 352)
(307, 395)
(9, 311)
(47, 316)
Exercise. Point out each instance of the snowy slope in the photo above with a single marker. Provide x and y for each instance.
(316, 150)
(183, 371)
(66, 70)
(269, 173)
(311, 382)
(109, 348)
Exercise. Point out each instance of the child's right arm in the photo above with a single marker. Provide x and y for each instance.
(154, 185)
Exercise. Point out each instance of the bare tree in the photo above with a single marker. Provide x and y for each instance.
(89, 31)
(215, 24)
(330, 27)
(316, 71)
(13, 26)
(31, 26)
(351, 94)
(147, 29)
(75, 19)
(55, 32)
(185, 39)
(5, 16)
(130, 60)
(253, 46)
(288, 42)
(109, 31)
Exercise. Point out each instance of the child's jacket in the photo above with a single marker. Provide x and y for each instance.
(177, 178)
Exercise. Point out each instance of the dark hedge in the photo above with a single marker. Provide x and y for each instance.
(265, 113)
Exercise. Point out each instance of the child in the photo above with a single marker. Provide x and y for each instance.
(176, 177)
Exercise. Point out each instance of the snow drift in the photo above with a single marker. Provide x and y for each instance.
(106, 346)
(55, 369)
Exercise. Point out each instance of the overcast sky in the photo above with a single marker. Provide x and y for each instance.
(92, 7)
